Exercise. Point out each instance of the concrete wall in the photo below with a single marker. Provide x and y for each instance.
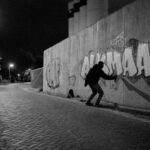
(76, 16)
(122, 41)
(70, 19)
(84, 13)
(37, 78)
(96, 10)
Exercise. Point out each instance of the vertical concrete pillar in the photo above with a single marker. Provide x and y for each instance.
(82, 14)
(76, 15)
(71, 18)
(96, 10)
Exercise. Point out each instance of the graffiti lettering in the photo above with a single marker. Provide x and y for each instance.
(128, 64)
(72, 80)
(121, 63)
(85, 67)
(53, 73)
(143, 59)
(114, 62)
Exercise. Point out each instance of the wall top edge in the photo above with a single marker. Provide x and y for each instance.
(37, 69)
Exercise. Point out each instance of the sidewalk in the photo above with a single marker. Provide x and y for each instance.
(128, 112)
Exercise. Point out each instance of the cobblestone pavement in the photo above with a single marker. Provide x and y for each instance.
(33, 121)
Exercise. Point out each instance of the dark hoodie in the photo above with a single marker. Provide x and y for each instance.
(94, 75)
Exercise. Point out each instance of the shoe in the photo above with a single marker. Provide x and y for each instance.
(89, 104)
(97, 105)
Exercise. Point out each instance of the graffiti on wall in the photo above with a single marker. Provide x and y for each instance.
(53, 73)
(132, 87)
(133, 64)
(72, 80)
(118, 43)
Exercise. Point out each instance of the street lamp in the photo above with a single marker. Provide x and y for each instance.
(18, 75)
(11, 65)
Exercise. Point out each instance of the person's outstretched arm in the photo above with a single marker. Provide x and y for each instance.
(107, 77)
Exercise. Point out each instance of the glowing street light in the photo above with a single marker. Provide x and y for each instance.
(18, 75)
(11, 65)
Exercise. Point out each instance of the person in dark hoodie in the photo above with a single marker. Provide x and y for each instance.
(92, 79)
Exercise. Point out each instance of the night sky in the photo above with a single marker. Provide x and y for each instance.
(28, 27)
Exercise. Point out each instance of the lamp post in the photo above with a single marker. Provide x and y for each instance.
(11, 65)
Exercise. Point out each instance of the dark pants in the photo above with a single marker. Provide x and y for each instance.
(95, 89)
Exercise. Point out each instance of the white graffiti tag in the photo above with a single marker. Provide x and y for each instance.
(53, 73)
(121, 63)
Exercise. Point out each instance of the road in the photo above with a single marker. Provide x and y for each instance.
(36, 121)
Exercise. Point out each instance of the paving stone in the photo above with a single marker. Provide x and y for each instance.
(33, 121)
